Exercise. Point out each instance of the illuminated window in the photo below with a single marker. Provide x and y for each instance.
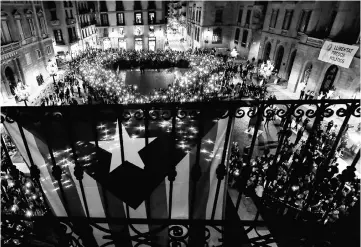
(120, 18)
(138, 18)
(121, 30)
(151, 17)
(217, 36)
(58, 36)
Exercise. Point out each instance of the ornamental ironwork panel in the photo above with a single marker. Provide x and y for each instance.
(183, 128)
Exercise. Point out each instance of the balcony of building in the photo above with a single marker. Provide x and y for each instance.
(6, 48)
(29, 40)
(69, 195)
(55, 23)
(70, 21)
(10, 50)
(310, 40)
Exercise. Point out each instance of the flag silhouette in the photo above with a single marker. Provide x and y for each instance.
(113, 187)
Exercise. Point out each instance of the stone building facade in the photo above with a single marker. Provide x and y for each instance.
(131, 24)
(293, 35)
(247, 29)
(85, 12)
(72, 25)
(177, 12)
(210, 24)
(26, 47)
(226, 24)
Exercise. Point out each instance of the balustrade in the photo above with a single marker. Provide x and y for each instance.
(180, 231)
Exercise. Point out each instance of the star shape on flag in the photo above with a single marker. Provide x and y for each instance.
(132, 146)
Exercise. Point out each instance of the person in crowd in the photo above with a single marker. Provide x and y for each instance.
(79, 91)
(307, 94)
(72, 90)
(299, 135)
(311, 95)
(329, 126)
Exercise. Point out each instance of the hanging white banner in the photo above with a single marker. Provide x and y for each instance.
(337, 53)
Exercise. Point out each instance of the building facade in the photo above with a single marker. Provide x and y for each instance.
(85, 12)
(72, 25)
(247, 29)
(293, 35)
(26, 47)
(210, 24)
(131, 24)
(177, 12)
(226, 24)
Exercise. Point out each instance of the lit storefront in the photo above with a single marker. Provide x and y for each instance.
(138, 38)
(122, 44)
(138, 44)
(151, 43)
(106, 44)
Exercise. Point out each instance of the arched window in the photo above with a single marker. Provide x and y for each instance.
(10, 76)
(290, 63)
(279, 58)
(244, 38)
(236, 36)
(329, 79)
(267, 52)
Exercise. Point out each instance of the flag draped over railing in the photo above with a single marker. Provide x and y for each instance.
(126, 166)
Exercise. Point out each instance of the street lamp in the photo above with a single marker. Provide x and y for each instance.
(52, 69)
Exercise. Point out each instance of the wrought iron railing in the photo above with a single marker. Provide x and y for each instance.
(190, 232)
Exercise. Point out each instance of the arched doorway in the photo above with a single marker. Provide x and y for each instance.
(279, 57)
(329, 78)
(267, 51)
(9, 74)
(290, 64)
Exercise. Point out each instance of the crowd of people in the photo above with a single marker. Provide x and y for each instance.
(93, 76)
(305, 175)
